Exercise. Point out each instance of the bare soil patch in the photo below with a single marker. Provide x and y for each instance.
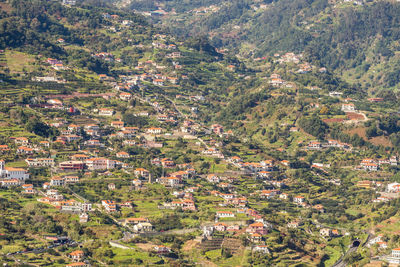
(381, 140)
(189, 245)
(5, 7)
(145, 246)
(354, 116)
(360, 131)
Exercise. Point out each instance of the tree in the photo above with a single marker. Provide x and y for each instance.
(201, 43)
(108, 253)
(353, 257)
(314, 126)
(39, 128)
(226, 253)
(132, 120)
(324, 110)
(371, 131)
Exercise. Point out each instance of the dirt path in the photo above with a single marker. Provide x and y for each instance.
(207, 263)
(189, 245)
(145, 246)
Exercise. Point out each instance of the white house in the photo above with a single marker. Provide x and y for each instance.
(69, 2)
(40, 162)
(212, 178)
(335, 94)
(154, 130)
(370, 166)
(100, 164)
(57, 181)
(125, 96)
(162, 249)
(395, 257)
(314, 145)
(109, 205)
(143, 227)
(375, 240)
(298, 199)
(71, 179)
(170, 181)
(106, 112)
(10, 183)
(12, 173)
(224, 214)
(158, 82)
(261, 248)
(141, 172)
(393, 187)
(348, 107)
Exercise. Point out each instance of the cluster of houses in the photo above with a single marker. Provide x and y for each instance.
(386, 191)
(108, 57)
(154, 13)
(327, 232)
(48, 79)
(94, 164)
(289, 58)
(235, 205)
(263, 169)
(276, 81)
(93, 140)
(255, 231)
(139, 225)
(54, 198)
(111, 206)
(369, 164)
(205, 9)
(316, 145)
(379, 241)
(304, 67)
(56, 64)
(148, 68)
(78, 259)
(394, 257)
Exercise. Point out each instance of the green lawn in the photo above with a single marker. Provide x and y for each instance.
(334, 255)
(17, 61)
(123, 256)
(17, 164)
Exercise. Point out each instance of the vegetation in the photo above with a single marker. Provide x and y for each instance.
(284, 111)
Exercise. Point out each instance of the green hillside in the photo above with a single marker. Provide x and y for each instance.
(198, 133)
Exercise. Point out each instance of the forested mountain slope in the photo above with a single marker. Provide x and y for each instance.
(356, 39)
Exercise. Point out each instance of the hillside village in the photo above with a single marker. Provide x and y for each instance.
(137, 161)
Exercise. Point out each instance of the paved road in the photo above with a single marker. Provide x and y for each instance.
(178, 110)
(171, 232)
(36, 251)
(20, 262)
(341, 262)
(76, 195)
(176, 107)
